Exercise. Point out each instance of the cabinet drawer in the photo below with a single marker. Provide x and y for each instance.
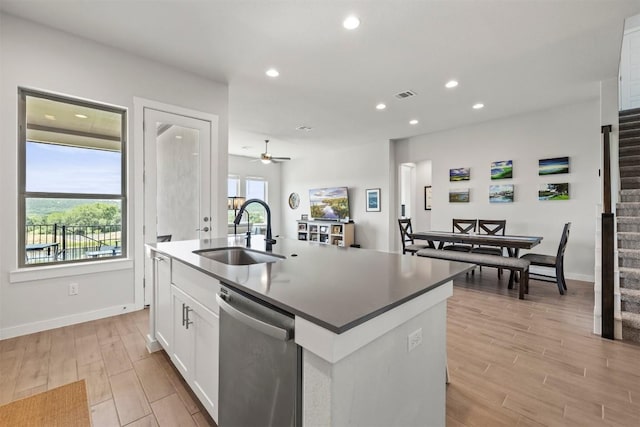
(197, 285)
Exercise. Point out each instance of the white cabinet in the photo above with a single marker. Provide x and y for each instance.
(329, 233)
(163, 309)
(195, 347)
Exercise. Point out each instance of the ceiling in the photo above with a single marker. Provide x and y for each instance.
(513, 56)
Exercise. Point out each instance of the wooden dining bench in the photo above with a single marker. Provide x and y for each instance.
(496, 261)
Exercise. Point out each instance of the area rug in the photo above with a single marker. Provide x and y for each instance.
(64, 406)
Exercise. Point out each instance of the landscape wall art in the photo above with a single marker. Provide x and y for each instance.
(502, 169)
(459, 195)
(553, 166)
(553, 191)
(460, 174)
(501, 193)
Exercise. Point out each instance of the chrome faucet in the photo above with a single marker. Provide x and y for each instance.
(269, 240)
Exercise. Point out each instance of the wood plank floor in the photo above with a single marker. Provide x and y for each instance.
(535, 362)
(126, 385)
(512, 362)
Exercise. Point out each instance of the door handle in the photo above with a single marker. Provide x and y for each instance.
(205, 229)
(187, 321)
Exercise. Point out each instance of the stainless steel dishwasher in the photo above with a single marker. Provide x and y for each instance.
(260, 364)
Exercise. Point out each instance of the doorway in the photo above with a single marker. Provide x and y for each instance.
(177, 184)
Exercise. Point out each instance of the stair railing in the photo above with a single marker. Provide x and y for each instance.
(608, 235)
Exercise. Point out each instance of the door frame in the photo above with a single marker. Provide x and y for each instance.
(139, 105)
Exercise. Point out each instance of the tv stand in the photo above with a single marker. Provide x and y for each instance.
(327, 232)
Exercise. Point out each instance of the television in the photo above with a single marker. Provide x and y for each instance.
(330, 204)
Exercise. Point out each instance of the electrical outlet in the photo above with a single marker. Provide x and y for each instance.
(414, 339)
(73, 289)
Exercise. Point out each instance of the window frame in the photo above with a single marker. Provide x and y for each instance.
(23, 194)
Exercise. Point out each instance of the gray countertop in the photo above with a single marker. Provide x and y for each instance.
(336, 288)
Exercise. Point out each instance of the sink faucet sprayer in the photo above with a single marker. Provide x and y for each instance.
(269, 240)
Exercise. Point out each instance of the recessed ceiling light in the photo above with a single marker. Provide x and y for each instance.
(381, 106)
(272, 72)
(81, 116)
(178, 136)
(49, 117)
(451, 84)
(245, 147)
(304, 128)
(478, 106)
(351, 22)
(413, 122)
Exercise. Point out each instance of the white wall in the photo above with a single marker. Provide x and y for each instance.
(247, 167)
(37, 57)
(421, 218)
(358, 168)
(572, 131)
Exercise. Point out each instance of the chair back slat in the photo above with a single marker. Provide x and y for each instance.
(563, 240)
(405, 231)
(464, 226)
(492, 226)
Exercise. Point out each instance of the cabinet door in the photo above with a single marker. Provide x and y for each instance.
(205, 351)
(163, 307)
(182, 348)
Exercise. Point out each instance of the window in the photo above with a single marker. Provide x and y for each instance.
(233, 186)
(256, 188)
(72, 183)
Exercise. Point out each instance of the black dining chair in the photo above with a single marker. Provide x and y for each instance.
(163, 238)
(493, 227)
(408, 245)
(464, 226)
(556, 262)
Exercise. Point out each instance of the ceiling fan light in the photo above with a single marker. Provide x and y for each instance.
(265, 161)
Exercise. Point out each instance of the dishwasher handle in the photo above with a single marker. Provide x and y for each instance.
(276, 332)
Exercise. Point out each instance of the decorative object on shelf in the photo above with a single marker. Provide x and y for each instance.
(460, 174)
(501, 193)
(294, 200)
(502, 169)
(304, 217)
(234, 203)
(427, 198)
(553, 191)
(553, 166)
(373, 199)
(459, 195)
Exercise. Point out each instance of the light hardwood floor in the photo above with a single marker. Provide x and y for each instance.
(126, 385)
(512, 363)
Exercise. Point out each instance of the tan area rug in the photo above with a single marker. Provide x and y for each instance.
(63, 406)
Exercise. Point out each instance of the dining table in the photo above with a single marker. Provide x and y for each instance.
(512, 243)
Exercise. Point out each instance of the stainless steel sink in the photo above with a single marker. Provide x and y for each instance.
(238, 256)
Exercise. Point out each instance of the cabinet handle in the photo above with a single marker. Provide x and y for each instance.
(183, 317)
(158, 259)
(188, 322)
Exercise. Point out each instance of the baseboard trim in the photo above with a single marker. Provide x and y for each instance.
(58, 322)
(152, 344)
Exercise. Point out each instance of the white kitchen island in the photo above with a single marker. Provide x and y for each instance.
(371, 325)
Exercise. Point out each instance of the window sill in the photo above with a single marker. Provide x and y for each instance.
(68, 270)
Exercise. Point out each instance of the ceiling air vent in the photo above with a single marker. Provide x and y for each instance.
(405, 94)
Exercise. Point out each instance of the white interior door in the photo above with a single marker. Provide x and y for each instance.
(177, 178)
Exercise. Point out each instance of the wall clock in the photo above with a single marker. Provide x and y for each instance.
(294, 200)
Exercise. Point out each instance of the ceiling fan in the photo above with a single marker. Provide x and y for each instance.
(267, 158)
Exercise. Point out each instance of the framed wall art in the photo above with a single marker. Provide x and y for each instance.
(427, 198)
(373, 199)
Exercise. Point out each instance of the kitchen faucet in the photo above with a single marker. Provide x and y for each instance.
(269, 240)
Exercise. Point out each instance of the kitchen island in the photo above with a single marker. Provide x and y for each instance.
(371, 325)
